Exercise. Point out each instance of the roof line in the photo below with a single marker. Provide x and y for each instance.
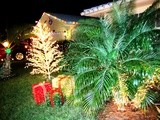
(99, 7)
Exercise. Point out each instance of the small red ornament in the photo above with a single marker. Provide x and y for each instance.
(40, 90)
(52, 92)
(56, 89)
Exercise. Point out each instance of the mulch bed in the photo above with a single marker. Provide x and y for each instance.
(110, 113)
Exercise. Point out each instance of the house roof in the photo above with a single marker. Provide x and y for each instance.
(100, 10)
(67, 18)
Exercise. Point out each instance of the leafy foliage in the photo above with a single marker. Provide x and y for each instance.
(17, 103)
(106, 49)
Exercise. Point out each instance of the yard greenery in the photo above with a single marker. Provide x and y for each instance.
(17, 103)
(114, 58)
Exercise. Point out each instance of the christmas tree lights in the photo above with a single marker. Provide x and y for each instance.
(44, 55)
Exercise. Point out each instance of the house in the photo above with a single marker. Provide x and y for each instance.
(61, 25)
(105, 9)
(101, 10)
(140, 7)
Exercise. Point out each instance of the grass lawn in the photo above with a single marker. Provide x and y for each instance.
(17, 103)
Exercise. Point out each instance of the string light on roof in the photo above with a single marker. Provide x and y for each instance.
(100, 7)
(94, 9)
(68, 22)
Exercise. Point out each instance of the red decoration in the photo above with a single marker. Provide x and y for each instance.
(52, 92)
(57, 90)
(40, 90)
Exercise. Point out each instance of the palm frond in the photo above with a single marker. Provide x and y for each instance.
(149, 100)
(104, 50)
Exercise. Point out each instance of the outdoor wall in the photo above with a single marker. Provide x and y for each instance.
(105, 9)
(61, 30)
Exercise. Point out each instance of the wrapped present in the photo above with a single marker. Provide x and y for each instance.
(48, 86)
(63, 85)
(40, 90)
(53, 93)
(65, 82)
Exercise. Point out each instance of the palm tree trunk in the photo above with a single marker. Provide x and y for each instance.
(120, 94)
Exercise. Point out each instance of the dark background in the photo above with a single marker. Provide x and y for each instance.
(28, 11)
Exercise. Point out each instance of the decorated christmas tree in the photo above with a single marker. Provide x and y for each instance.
(44, 56)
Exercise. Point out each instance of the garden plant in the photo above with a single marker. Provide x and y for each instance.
(114, 58)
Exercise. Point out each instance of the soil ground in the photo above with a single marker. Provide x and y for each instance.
(110, 113)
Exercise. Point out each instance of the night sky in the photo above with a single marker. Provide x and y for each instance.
(29, 11)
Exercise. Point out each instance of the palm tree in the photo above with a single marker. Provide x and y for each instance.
(112, 58)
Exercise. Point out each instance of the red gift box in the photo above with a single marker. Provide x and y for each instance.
(40, 90)
(52, 92)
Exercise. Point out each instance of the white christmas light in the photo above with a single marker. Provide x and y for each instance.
(44, 55)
